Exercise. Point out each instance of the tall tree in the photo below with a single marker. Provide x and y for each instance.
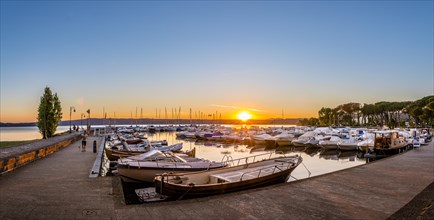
(49, 113)
(325, 116)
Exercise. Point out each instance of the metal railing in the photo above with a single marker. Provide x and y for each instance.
(230, 160)
(173, 162)
(290, 163)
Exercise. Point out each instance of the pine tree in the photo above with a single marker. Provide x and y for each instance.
(49, 113)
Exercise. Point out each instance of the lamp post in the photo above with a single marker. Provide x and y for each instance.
(71, 108)
(81, 120)
(88, 118)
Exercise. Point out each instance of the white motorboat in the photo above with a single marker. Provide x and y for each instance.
(330, 143)
(145, 167)
(284, 139)
(303, 139)
(260, 139)
(349, 144)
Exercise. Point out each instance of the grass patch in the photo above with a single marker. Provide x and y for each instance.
(13, 143)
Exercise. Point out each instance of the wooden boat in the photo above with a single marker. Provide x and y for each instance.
(145, 167)
(134, 140)
(226, 180)
(114, 154)
(389, 142)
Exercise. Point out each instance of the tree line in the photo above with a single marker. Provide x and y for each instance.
(419, 113)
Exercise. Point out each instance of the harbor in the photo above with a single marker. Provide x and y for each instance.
(216, 110)
(60, 187)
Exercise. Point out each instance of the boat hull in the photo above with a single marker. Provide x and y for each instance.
(348, 147)
(284, 142)
(299, 143)
(116, 154)
(179, 191)
(144, 174)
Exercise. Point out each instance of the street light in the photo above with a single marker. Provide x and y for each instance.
(88, 118)
(70, 114)
(81, 120)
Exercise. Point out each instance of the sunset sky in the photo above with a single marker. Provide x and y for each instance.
(259, 56)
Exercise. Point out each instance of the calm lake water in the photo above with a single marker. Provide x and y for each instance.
(24, 133)
(317, 162)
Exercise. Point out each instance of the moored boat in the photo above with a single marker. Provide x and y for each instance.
(389, 142)
(284, 139)
(349, 144)
(330, 143)
(145, 167)
(226, 180)
(116, 153)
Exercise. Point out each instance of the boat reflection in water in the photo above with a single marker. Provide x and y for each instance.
(350, 155)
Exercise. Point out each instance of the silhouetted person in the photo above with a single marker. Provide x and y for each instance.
(83, 142)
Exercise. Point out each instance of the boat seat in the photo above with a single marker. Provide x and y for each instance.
(179, 180)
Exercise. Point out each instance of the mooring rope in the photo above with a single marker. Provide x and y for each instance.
(191, 187)
(306, 169)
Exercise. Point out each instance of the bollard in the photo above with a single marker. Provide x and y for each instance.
(94, 146)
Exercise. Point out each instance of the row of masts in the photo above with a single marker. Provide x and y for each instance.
(199, 117)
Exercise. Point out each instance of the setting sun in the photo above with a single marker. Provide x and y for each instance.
(244, 116)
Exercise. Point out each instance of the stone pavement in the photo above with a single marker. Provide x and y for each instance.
(59, 187)
(421, 207)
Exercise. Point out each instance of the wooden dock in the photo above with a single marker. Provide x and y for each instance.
(59, 187)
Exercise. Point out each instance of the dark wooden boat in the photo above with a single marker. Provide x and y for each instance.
(389, 142)
(115, 154)
(226, 180)
(134, 141)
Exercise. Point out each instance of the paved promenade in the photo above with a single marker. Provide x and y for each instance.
(59, 187)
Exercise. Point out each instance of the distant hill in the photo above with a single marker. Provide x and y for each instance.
(131, 121)
(28, 124)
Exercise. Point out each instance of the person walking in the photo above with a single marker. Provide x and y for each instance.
(83, 142)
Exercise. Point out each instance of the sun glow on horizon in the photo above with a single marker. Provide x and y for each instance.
(244, 116)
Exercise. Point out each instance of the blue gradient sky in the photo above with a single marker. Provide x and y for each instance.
(212, 56)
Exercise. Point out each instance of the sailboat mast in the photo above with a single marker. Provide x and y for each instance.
(190, 117)
(179, 115)
(165, 115)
